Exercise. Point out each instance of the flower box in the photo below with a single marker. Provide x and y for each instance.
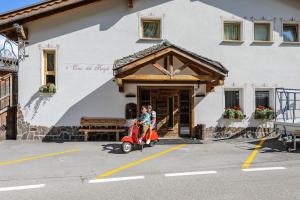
(233, 113)
(47, 89)
(264, 113)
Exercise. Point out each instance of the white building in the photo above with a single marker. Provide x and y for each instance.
(218, 54)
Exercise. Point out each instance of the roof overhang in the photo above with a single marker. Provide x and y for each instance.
(40, 10)
(206, 71)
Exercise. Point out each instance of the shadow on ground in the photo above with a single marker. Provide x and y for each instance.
(272, 145)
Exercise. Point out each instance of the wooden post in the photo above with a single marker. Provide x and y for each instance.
(171, 64)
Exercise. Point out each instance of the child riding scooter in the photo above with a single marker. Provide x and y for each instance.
(134, 138)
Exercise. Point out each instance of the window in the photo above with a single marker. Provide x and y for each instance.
(262, 32)
(171, 112)
(49, 66)
(290, 32)
(145, 97)
(232, 31)
(151, 29)
(262, 98)
(232, 99)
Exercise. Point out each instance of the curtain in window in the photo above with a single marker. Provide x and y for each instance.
(262, 98)
(151, 29)
(261, 32)
(290, 33)
(50, 61)
(231, 31)
(232, 99)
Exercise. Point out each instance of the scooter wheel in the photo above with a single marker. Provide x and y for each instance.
(152, 143)
(126, 147)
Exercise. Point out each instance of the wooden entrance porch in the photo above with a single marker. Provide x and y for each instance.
(166, 76)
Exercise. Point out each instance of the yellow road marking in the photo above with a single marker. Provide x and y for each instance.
(109, 173)
(250, 159)
(38, 157)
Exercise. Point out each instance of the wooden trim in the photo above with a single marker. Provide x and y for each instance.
(130, 3)
(46, 72)
(141, 62)
(142, 78)
(162, 69)
(191, 59)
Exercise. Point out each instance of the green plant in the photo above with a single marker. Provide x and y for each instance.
(43, 89)
(266, 113)
(233, 113)
(49, 88)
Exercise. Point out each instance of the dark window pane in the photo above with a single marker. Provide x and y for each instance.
(50, 61)
(290, 33)
(184, 107)
(232, 99)
(50, 79)
(262, 98)
(170, 109)
(145, 97)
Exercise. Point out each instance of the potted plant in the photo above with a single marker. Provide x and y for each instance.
(49, 88)
(233, 113)
(265, 113)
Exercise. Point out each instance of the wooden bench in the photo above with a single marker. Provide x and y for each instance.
(102, 125)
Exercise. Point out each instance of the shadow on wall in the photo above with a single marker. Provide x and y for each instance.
(250, 8)
(105, 101)
(36, 100)
(110, 13)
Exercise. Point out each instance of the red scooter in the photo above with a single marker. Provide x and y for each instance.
(130, 141)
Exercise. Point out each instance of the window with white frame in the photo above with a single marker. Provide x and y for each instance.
(232, 31)
(290, 32)
(151, 29)
(262, 32)
(232, 98)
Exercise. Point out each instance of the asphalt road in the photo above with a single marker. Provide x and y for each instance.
(195, 171)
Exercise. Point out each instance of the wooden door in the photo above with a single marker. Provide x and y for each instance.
(166, 104)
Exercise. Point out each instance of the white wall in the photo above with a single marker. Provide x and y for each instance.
(98, 34)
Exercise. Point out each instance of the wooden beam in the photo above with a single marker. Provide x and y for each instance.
(142, 62)
(141, 78)
(191, 59)
(171, 59)
(162, 69)
(130, 3)
(177, 71)
(120, 84)
(166, 63)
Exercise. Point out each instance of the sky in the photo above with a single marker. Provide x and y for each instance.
(7, 5)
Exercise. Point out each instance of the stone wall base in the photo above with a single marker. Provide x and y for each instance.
(238, 132)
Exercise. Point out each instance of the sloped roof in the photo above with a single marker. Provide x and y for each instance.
(166, 44)
(39, 10)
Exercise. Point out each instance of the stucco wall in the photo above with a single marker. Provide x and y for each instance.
(89, 39)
